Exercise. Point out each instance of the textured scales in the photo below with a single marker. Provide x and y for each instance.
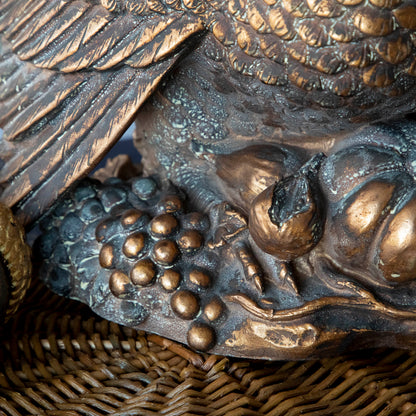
(74, 73)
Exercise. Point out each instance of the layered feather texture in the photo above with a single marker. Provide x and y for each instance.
(73, 74)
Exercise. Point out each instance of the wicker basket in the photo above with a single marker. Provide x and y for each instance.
(57, 358)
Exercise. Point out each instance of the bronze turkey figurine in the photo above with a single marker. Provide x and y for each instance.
(276, 218)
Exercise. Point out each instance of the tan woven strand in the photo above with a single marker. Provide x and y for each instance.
(59, 359)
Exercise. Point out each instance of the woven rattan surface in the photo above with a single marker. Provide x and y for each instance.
(57, 358)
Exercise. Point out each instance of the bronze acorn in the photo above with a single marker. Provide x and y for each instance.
(15, 264)
(287, 219)
(203, 297)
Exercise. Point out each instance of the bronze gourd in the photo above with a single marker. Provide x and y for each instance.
(276, 214)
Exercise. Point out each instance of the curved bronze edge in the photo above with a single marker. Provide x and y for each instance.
(367, 301)
(282, 341)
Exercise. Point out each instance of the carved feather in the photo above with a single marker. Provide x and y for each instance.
(73, 75)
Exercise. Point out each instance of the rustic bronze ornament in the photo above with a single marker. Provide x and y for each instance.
(170, 280)
(275, 216)
(133, 245)
(163, 225)
(143, 272)
(185, 304)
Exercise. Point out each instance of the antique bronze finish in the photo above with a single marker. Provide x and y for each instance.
(276, 217)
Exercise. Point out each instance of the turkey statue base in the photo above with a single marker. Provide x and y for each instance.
(318, 262)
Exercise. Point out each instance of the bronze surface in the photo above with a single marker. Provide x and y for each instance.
(133, 245)
(275, 218)
(143, 273)
(170, 280)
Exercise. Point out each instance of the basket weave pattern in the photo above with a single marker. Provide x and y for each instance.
(57, 359)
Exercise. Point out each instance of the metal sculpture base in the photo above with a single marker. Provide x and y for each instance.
(319, 262)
